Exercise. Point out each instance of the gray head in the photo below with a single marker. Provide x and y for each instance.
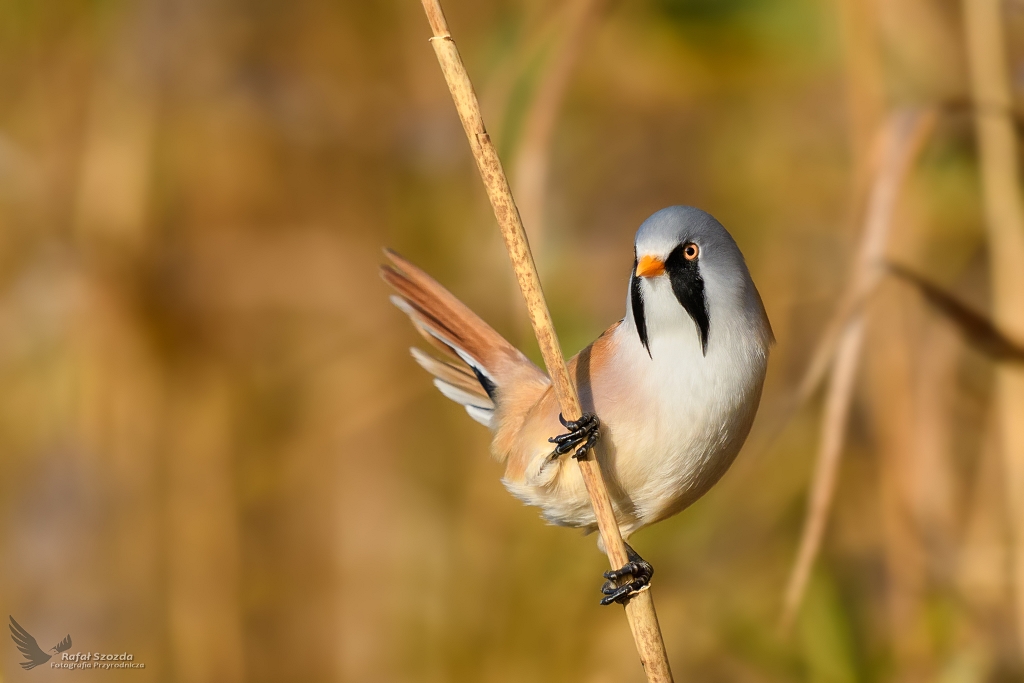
(685, 258)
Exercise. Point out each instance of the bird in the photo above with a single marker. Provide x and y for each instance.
(26, 643)
(670, 391)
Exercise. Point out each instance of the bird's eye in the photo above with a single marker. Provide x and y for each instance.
(691, 251)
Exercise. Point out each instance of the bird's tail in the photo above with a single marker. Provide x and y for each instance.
(477, 363)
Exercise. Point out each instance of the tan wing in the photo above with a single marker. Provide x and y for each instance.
(480, 369)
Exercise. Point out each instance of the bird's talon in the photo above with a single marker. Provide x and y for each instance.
(624, 593)
(628, 569)
(582, 435)
(637, 568)
(581, 452)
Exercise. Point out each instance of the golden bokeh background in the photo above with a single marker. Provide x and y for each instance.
(216, 453)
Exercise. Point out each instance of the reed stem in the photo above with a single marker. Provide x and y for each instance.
(643, 620)
(903, 137)
(1004, 218)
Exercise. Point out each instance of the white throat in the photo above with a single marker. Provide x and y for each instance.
(696, 405)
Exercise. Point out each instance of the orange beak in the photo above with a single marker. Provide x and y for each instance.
(650, 266)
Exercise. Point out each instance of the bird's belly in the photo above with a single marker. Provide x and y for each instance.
(669, 432)
(668, 477)
(666, 461)
(660, 473)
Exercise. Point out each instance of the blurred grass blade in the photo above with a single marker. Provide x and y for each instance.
(902, 139)
(978, 330)
(864, 276)
(532, 166)
(833, 434)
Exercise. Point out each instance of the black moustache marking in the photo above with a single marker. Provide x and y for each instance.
(688, 286)
(637, 299)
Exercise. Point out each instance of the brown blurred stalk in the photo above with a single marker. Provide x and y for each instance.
(120, 376)
(643, 621)
(868, 270)
(977, 330)
(903, 137)
(1004, 213)
(833, 432)
(864, 105)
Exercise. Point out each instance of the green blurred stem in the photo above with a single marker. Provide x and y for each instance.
(533, 160)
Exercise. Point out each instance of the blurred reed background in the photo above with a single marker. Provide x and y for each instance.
(216, 453)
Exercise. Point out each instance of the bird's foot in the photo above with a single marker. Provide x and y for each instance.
(640, 572)
(583, 433)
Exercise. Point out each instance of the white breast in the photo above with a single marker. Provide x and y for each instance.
(675, 419)
(672, 420)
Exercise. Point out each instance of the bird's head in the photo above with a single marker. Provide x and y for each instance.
(689, 280)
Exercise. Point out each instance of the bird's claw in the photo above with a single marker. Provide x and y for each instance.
(640, 571)
(583, 433)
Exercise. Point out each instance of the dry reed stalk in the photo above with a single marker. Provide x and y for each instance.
(643, 620)
(837, 407)
(903, 136)
(1004, 214)
(867, 271)
(932, 483)
(977, 330)
(982, 571)
(865, 106)
(533, 162)
(855, 295)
